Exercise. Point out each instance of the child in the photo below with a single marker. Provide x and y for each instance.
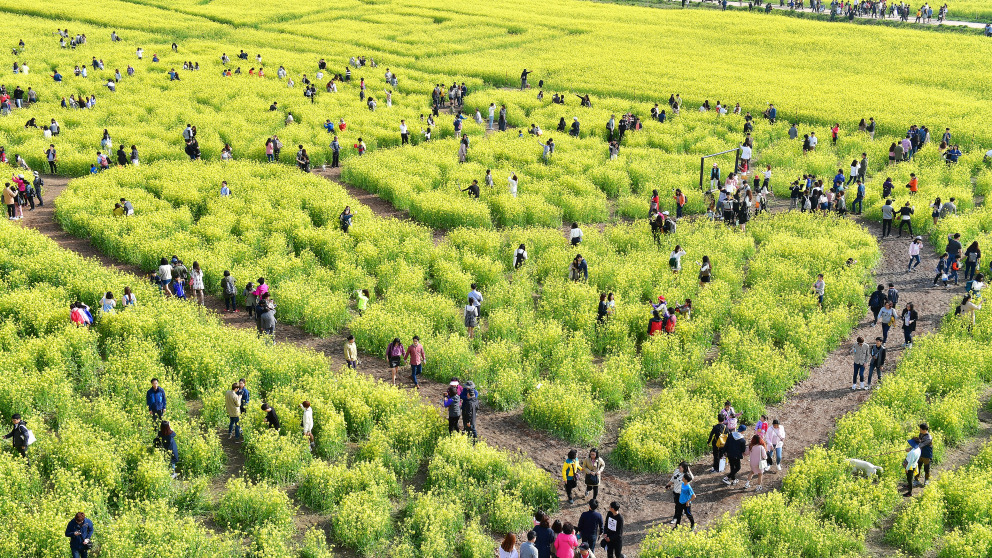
(941, 270)
(250, 298)
(177, 288)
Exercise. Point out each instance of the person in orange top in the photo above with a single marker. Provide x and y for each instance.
(679, 203)
(913, 184)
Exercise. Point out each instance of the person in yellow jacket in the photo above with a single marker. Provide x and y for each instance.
(570, 474)
(232, 402)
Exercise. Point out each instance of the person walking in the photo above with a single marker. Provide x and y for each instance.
(613, 532)
(470, 408)
(594, 466)
(861, 356)
(416, 357)
(80, 533)
(590, 524)
(686, 496)
(888, 213)
(155, 400)
(911, 464)
(569, 474)
(876, 359)
(775, 438)
(166, 440)
(914, 253)
(717, 440)
(394, 355)
(351, 353)
(736, 447)
(972, 257)
(876, 302)
(887, 317)
(471, 317)
(307, 423)
(232, 403)
(905, 216)
(942, 269)
(757, 455)
(908, 317)
(451, 402)
(675, 485)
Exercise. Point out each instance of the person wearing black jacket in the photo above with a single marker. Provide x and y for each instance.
(473, 189)
(875, 302)
(876, 359)
(545, 535)
(613, 532)
(270, 416)
(908, 317)
(574, 132)
(736, 445)
(718, 431)
(19, 435)
(590, 524)
(470, 406)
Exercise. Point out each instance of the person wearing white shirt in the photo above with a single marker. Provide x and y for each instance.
(813, 140)
(675, 259)
(520, 256)
(512, 180)
(575, 235)
(746, 156)
(24, 69)
(775, 438)
(404, 133)
(912, 460)
(307, 422)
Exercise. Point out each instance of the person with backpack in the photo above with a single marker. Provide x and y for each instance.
(20, 436)
(717, 440)
(80, 533)
(394, 356)
(229, 286)
(876, 302)
(520, 256)
(569, 474)
(675, 485)
(972, 257)
(451, 402)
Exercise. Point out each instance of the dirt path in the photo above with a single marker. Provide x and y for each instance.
(953, 459)
(825, 395)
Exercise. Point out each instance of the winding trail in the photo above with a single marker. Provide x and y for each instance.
(815, 403)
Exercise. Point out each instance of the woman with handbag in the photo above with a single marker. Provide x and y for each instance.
(716, 440)
(594, 466)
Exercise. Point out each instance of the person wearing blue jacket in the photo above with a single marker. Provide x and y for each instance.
(80, 532)
(155, 399)
(166, 440)
(245, 395)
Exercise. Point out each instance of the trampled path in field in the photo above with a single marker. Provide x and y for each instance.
(740, 4)
(809, 411)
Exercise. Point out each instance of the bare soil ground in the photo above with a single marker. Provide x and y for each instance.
(815, 403)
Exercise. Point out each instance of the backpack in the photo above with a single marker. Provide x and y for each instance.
(893, 296)
(876, 300)
(229, 288)
(721, 440)
(673, 262)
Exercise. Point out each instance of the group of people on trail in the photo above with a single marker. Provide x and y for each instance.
(564, 539)
(730, 446)
(81, 315)
(20, 192)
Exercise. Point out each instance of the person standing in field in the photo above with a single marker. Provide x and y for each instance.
(307, 423)
(819, 288)
(80, 533)
(363, 300)
(196, 283)
(471, 317)
(914, 254)
(166, 440)
(470, 408)
(451, 402)
(271, 419)
(155, 400)
(229, 287)
(232, 403)
(911, 464)
(972, 257)
(351, 353)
